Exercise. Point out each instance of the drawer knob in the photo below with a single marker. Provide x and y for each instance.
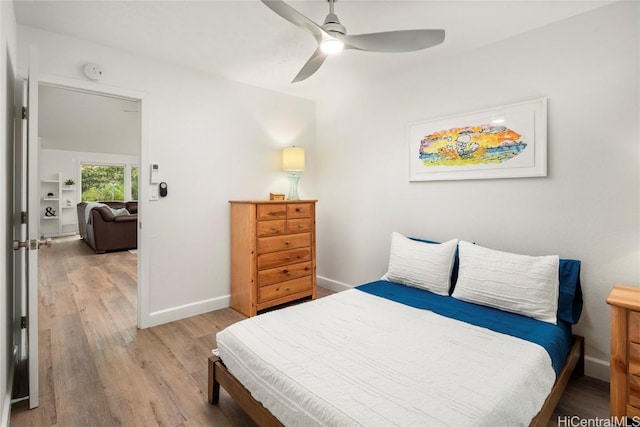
(306, 269)
(287, 242)
(299, 225)
(298, 209)
(286, 272)
(287, 289)
(274, 228)
(287, 258)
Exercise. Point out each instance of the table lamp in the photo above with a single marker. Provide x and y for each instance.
(293, 161)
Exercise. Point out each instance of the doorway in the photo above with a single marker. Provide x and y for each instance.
(81, 124)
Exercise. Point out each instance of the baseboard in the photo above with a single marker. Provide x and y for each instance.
(334, 285)
(596, 368)
(187, 310)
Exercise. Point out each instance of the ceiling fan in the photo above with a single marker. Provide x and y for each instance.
(332, 37)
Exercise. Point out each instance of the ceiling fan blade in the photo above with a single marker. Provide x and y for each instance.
(311, 66)
(393, 41)
(296, 18)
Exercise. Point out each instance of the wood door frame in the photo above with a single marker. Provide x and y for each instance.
(142, 305)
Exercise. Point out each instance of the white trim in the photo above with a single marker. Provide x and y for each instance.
(596, 368)
(144, 240)
(334, 285)
(91, 87)
(187, 310)
(6, 404)
(6, 408)
(144, 245)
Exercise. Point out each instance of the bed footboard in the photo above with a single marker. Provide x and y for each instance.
(574, 364)
(219, 376)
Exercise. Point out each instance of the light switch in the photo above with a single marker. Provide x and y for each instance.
(153, 194)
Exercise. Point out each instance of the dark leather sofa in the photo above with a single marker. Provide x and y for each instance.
(104, 231)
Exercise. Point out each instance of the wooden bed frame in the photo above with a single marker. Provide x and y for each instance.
(220, 376)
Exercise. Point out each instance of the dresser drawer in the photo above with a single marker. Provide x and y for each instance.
(299, 210)
(279, 290)
(634, 359)
(302, 225)
(280, 274)
(271, 211)
(633, 372)
(271, 228)
(633, 412)
(634, 391)
(279, 243)
(276, 259)
(634, 326)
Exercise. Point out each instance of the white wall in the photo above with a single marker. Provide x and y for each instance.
(8, 63)
(214, 140)
(588, 206)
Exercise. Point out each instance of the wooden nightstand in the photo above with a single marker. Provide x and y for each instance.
(625, 351)
(273, 253)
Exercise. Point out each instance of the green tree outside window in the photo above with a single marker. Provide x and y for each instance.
(134, 182)
(103, 183)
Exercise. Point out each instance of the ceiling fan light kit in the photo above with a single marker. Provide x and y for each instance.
(332, 37)
(331, 46)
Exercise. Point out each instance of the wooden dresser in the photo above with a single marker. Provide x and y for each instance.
(625, 351)
(273, 253)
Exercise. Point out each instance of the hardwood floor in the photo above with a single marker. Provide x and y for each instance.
(98, 369)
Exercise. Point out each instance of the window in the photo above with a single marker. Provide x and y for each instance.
(102, 183)
(134, 183)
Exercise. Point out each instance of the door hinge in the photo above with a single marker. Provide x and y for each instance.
(23, 217)
(25, 114)
(23, 322)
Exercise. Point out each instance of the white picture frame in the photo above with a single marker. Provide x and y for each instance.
(507, 141)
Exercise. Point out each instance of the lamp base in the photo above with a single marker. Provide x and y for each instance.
(293, 186)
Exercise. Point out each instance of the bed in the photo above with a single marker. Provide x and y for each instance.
(388, 353)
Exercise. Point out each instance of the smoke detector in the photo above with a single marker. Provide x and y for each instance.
(93, 71)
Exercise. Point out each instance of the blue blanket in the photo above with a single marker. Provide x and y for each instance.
(556, 339)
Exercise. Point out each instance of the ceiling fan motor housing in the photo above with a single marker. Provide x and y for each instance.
(332, 24)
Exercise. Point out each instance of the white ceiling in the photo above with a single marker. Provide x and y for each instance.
(245, 41)
(80, 121)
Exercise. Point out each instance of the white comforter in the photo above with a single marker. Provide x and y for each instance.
(356, 359)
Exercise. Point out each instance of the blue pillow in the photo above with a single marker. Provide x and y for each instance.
(569, 295)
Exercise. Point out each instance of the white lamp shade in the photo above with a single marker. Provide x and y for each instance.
(293, 159)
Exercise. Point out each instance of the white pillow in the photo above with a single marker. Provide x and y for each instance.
(421, 265)
(119, 212)
(519, 284)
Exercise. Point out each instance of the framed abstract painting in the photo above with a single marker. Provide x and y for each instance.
(508, 141)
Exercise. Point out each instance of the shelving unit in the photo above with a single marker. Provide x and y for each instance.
(57, 208)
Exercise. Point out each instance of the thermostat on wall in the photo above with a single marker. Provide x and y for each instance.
(155, 173)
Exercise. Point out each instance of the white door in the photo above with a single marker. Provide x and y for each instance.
(19, 353)
(26, 243)
(33, 221)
